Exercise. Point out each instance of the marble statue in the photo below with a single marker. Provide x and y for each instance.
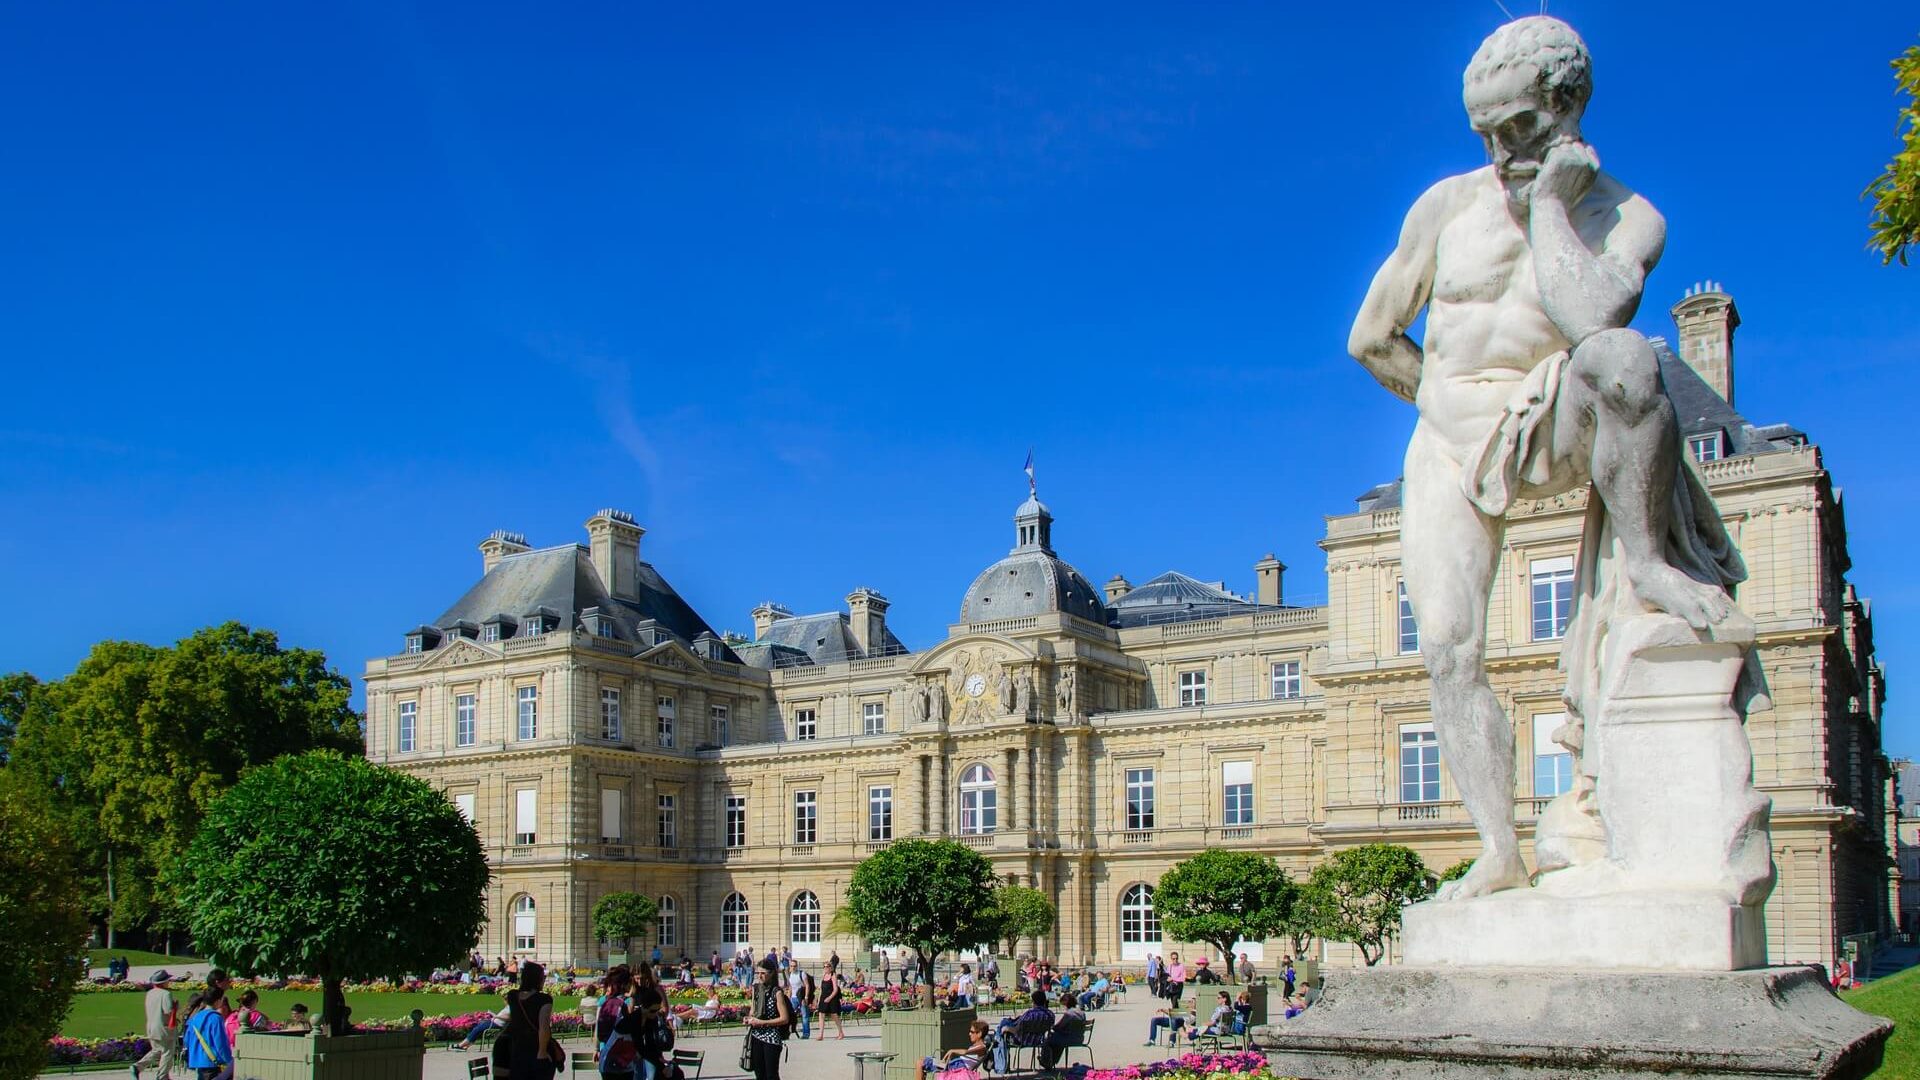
(1529, 384)
(917, 696)
(1003, 689)
(1064, 694)
(936, 703)
(1023, 696)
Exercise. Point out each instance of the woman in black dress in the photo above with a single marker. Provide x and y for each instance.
(767, 1024)
(533, 1054)
(830, 1002)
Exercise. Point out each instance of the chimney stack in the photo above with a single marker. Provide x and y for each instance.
(614, 539)
(1707, 319)
(499, 545)
(765, 616)
(1117, 586)
(868, 611)
(1268, 571)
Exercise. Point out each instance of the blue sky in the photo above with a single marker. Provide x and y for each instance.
(300, 302)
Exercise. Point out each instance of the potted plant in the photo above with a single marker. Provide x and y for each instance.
(326, 865)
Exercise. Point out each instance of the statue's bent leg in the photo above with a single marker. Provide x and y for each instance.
(1614, 387)
(1449, 550)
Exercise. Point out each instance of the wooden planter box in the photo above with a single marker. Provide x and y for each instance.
(912, 1034)
(384, 1055)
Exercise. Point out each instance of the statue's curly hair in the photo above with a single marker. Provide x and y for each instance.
(1553, 50)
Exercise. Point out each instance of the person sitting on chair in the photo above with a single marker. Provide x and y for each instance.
(1069, 1030)
(1027, 1029)
(969, 1058)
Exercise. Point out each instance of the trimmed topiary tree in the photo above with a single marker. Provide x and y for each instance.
(43, 931)
(324, 865)
(623, 916)
(1025, 912)
(1221, 897)
(1357, 895)
(932, 896)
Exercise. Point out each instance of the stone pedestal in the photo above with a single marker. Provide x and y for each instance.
(1527, 928)
(1406, 1023)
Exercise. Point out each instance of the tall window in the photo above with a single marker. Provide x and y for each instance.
(1409, 630)
(1552, 763)
(806, 724)
(526, 815)
(806, 817)
(722, 725)
(409, 714)
(529, 697)
(665, 723)
(1236, 791)
(979, 801)
(609, 713)
(1419, 764)
(736, 821)
(1705, 448)
(1193, 688)
(611, 818)
(1139, 923)
(805, 920)
(668, 921)
(465, 714)
(1286, 680)
(873, 716)
(1552, 581)
(880, 813)
(525, 936)
(665, 828)
(733, 920)
(1139, 798)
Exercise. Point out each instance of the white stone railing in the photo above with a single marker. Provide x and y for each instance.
(1003, 626)
(1386, 519)
(1291, 618)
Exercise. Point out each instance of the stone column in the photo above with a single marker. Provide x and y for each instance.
(1010, 782)
(939, 796)
(1030, 789)
(917, 812)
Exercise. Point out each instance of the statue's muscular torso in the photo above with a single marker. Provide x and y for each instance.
(1486, 324)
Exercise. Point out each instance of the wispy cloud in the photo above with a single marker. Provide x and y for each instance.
(610, 379)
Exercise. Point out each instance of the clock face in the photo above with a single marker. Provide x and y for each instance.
(976, 685)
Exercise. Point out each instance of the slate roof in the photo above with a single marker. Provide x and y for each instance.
(1031, 582)
(1696, 406)
(1175, 597)
(562, 581)
(799, 640)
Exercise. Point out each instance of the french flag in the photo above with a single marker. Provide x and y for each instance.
(1031, 490)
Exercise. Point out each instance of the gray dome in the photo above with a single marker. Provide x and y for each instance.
(1031, 580)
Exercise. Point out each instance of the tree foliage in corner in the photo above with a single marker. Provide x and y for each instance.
(130, 749)
(932, 896)
(43, 932)
(326, 865)
(1221, 897)
(623, 916)
(1456, 871)
(1024, 912)
(1896, 194)
(1356, 896)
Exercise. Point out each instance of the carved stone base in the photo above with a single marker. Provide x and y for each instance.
(1405, 1023)
(1528, 928)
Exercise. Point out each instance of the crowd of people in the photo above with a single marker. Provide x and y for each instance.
(200, 1037)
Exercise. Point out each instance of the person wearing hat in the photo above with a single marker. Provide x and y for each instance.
(163, 1031)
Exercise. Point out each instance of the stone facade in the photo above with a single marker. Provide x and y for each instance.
(1111, 735)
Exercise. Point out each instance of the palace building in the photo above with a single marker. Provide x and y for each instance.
(603, 737)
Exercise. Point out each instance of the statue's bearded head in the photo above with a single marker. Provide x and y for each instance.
(1526, 90)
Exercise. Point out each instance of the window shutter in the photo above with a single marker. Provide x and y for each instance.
(1237, 772)
(526, 811)
(464, 804)
(610, 813)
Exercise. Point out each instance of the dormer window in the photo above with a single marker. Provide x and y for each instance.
(534, 626)
(490, 632)
(422, 638)
(1708, 447)
(416, 643)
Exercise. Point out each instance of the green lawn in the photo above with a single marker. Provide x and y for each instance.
(1898, 999)
(98, 1016)
(98, 958)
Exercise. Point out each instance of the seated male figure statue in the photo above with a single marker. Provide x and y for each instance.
(1529, 385)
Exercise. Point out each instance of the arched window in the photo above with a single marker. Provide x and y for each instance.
(1139, 923)
(669, 924)
(525, 936)
(803, 921)
(979, 801)
(733, 920)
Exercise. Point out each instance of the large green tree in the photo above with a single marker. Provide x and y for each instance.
(1896, 193)
(43, 931)
(932, 896)
(1024, 912)
(326, 865)
(1221, 896)
(623, 916)
(128, 751)
(1357, 895)
(17, 691)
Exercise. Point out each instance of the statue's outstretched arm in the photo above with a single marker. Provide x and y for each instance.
(1379, 339)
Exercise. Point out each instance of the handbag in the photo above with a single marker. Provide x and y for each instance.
(746, 1055)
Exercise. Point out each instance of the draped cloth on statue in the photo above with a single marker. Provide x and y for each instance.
(1518, 455)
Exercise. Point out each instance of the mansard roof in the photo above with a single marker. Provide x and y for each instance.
(800, 640)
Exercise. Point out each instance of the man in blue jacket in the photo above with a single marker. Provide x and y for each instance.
(208, 1052)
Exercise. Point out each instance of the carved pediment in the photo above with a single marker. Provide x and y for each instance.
(672, 654)
(459, 651)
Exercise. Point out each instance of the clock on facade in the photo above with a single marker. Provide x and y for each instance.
(976, 684)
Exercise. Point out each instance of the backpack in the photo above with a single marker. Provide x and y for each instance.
(617, 1053)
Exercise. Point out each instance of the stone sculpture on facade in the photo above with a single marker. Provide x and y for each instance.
(1003, 688)
(1064, 696)
(936, 703)
(1528, 385)
(917, 701)
(1023, 695)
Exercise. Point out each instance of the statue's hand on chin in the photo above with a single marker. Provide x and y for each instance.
(1566, 175)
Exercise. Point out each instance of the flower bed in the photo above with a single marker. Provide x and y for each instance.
(64, 1051)
(1245, 1065)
